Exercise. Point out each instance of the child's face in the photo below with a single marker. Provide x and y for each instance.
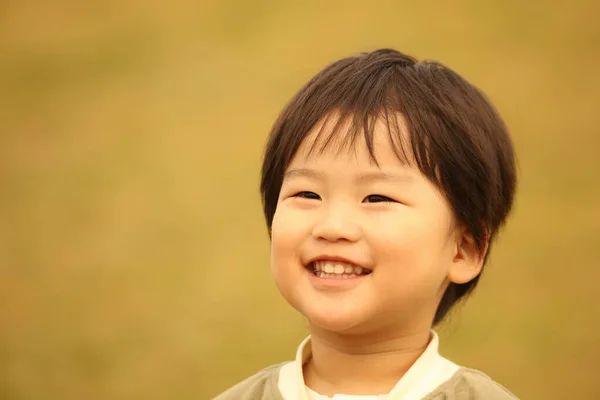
(328, 209)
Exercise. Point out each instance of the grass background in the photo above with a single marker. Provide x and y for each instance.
(133, 254)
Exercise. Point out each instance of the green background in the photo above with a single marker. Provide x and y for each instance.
(133, 253)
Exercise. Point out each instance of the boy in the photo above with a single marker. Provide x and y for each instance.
(384, 183)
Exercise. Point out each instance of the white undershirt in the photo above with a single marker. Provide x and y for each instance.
(312, 395)
(427, 373)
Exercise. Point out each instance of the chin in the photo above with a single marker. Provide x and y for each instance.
(340, 323)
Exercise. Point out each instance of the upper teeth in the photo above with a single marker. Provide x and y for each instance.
(336, 267)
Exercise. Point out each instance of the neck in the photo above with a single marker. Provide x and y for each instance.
(361, 365)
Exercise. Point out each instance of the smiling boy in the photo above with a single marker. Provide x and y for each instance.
(384, 183)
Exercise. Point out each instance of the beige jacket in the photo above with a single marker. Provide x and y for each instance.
(465, 384)
(430, 377)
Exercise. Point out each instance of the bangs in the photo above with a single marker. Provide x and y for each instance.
(341, 131)
(392, 98)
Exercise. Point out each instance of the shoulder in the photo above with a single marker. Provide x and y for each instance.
(471, 384)
(260, 386)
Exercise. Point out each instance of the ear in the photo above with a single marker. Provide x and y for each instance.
(468, 259)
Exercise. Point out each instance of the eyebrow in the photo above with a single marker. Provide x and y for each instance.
(303, 173)
(386, 177)
(366, 177)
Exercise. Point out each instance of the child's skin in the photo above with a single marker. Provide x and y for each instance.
(366, 331)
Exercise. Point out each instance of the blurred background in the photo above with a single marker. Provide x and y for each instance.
(133, 252)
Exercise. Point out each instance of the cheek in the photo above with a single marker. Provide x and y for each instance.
(287, 235)
(411, 240)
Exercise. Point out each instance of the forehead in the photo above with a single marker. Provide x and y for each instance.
(378, 139)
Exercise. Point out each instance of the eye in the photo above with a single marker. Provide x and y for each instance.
(308, 195)
(377, 198)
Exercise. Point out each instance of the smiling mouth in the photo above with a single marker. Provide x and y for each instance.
(336, 269)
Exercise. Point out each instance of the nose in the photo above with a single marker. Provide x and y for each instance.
(337, 223)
